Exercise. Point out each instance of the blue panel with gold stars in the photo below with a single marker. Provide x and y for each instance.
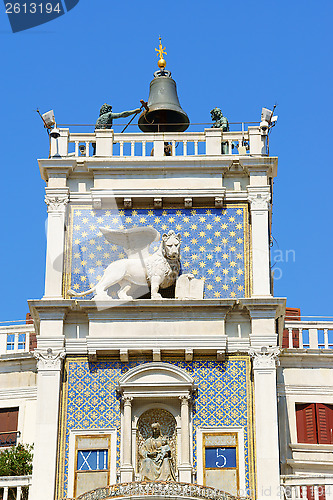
(214, 245)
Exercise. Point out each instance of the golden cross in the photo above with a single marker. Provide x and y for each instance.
(160, 50)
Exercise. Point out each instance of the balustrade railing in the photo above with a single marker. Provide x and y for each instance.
(14, 487)
(308, 335)
(311, 487)
(107, 143)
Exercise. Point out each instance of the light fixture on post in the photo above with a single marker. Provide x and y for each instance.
(267, 120)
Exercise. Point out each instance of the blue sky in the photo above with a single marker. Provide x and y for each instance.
(239, 56)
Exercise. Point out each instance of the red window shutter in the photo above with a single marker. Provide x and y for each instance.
(292, 314)
(321, 492)
(306, 423)
(324, 414)
(8, 419)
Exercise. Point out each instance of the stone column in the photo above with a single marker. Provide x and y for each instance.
(126, 469)
(49, 365)
(259, 197)
(266, 424)
(56, 200)
(185, 468)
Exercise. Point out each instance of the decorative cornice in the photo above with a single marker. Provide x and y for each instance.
(49, 360)
(265, 357)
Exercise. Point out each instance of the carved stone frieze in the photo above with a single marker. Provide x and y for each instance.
(265, 357)
(49, 360)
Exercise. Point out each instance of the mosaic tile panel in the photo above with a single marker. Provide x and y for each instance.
(214, 245)
(90, 401)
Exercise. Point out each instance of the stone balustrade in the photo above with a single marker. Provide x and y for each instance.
(17, 485)
(310, 335)
(307, 487)
(107, 143)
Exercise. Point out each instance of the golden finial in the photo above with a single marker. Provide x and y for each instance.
(160, 52)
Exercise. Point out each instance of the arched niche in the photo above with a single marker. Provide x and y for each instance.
(238, 323)
(160, 386)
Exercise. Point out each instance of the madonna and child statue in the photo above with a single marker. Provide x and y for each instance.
(156, 458)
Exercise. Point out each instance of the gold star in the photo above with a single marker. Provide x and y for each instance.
(128, 220)
(209, 241)
(224, 226)
(239, 226)
(217, 294)
(121, 212)
(150, 213)
(217, 249)
(142, 220)
(83, 278)
(202, 234)
(84, 249)
(186, 234)
(121, 255)
(164, 213)
(83, 262)
(77, 212)
(187, 248)
(194, 256)
(202, 249)
(202, 264)
(76, 270)
(233, 279)
(240, 288)
(217, 233)
(178, 212)
(98, 263)
(92, 242)
(194, 271)
(76, 286)
(209, 226)
(91, 270)
(178, 227)
(108, 213)
(232, 264)
(209, 287)
(231, 219)
(217, 264)
(116, 219)
(186, 219)
(209, 256)
(193, 212)
(239, 240)
(208, 212)
(194, 241)
(186, 264)
(240, 271)
(171, 219)
(99, 248)
(225, 287)
(224, 212)
(218, 279)
(91, 256)
(106, 255)
(85, 220)
(77, 242)
(217, 218)
(114, 248)
(164, 227)
(134, 213)
(225, 271)
(92, 213)
(202, 219)
(239, 211)
(239, 256)
(210, 271)
(232, 294)
(157, 220)
(194, 226)
(232, 233)
(77, 227)
(225, 256)
(99, 220)
(92, 227)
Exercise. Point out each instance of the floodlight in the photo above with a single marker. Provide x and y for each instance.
(48, 119)
(55, 133)
(266, 114)
(274, 119)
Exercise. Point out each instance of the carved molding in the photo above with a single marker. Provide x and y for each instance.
(49, 360)
(259, 197)
(185, 399)
(265, 357)
(157, 489)
(127, 400)
(56, 203)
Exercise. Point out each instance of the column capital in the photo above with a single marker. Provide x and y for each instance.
(185, 399)
(56, 199)
(265, 358)
(259, 197)
(49, 360)
(127, 400)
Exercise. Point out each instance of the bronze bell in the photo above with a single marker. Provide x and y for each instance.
(165, 113)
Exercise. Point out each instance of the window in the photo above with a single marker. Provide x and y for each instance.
(21, 341)
(314, 422)
(10, 342)
(8, 426)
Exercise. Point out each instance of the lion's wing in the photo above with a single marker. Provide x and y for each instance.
(135, 240)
